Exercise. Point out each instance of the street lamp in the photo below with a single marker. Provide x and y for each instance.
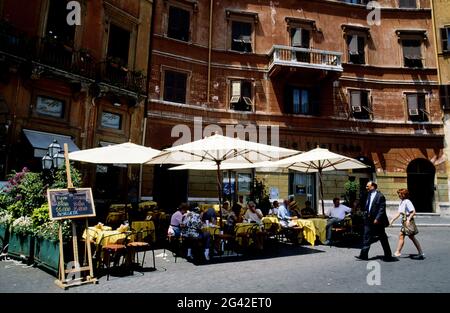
(54, 157)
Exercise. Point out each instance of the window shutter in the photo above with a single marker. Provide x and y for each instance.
(413, 108)
(445, 40)
(355, 101)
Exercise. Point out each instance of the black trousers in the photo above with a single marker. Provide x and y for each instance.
(373, 233)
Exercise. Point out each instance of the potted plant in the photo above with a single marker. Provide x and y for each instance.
(5, 221)
(351, 189)
(21, 241)
(46, 244)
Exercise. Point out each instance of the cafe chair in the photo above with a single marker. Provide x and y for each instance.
(113, 251)
(342, 230)
(141, 241)
(223, 242)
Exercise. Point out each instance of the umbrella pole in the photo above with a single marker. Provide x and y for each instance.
(219, 188)
(321, 191)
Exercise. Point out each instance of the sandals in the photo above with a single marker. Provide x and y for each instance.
(397, 254)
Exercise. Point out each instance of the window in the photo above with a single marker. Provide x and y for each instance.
(300, 39)
(356, 1)
(359, 102)
(407, 4)
(57, 28)
(111, 120)
(416, 107)
(118, 44)
(300, 101)
(175, 85)
(412, 55)
(241, 95)
(444, 93)
(445, 38)
(244, 182)
(178, 24)
(49, 107)
(241, 36)
(356, 49)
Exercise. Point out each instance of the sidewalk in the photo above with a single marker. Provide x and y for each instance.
(428, 220)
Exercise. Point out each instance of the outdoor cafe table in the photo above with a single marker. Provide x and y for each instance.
(269, 220)
(147, 204)
(309, 230)
(144, 225)
(104, 236)
(205, 206)
(320, 225)
(95, 232)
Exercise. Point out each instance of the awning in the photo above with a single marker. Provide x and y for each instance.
(41, 140)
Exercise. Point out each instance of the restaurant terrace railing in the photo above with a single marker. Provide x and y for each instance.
(305, 57)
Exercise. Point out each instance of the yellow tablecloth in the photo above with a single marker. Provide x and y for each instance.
(95, 233)
(143, 225)
(309, 230)
(269, 221)
(115, 217)
(118, 207)
(204, 206)
(105, 236)
(321, 228)
(147, 204)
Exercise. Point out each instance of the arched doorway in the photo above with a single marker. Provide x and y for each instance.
(421, 184)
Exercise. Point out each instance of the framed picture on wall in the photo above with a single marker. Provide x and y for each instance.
(49, 107)
(111, 120)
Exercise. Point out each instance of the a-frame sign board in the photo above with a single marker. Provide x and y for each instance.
(72, 203)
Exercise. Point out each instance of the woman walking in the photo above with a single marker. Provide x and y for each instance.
(407, 211)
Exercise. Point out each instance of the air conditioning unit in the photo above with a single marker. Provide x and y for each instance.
(413, 112)
(235, 99)
(356, 108)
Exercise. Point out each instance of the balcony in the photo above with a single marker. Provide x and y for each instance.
(303, 58)
(63, 60)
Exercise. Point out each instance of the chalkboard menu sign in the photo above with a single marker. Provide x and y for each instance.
(73, 203)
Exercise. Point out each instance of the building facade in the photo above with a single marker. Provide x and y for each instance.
(303, 74)
(75, 72)
(441, 23)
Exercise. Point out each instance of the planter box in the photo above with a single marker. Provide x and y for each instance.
(46, 254)
(21, 247)
(4, 236)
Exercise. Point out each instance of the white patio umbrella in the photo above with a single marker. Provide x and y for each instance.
(124, 153)
(223, 152)
(318, 160)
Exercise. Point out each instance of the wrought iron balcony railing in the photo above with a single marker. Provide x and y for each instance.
(57, 55)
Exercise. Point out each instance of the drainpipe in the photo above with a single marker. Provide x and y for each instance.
(147, 91)
(211, 3)
(435, 41)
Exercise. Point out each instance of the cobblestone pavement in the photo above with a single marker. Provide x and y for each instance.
(290, 269)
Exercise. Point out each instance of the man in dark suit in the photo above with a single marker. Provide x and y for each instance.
(375, 222)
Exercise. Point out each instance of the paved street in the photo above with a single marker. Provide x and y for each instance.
(301, 269)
